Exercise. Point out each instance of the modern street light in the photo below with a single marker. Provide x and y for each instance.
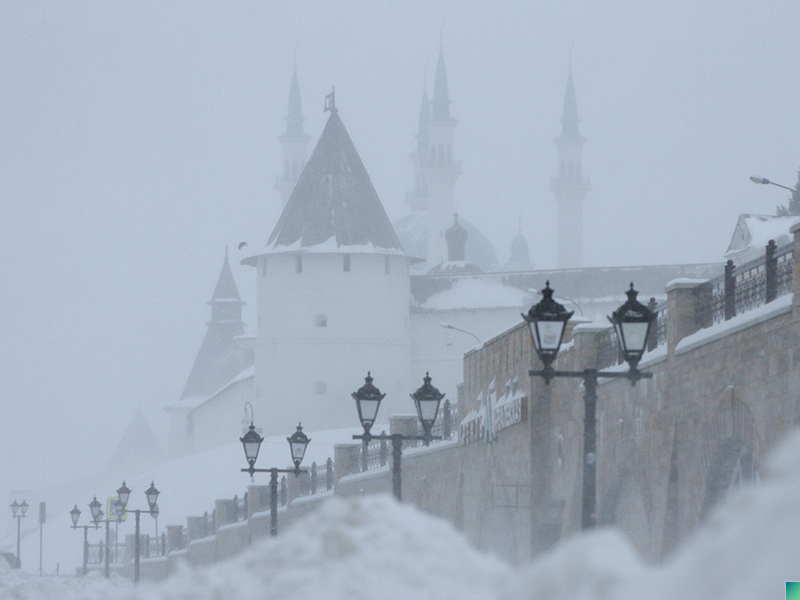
(547, 321)
(18, 511)
(368, 399)
(251, 441)
(449, 326)
(120, 508)
(75, 514)
(765, 181)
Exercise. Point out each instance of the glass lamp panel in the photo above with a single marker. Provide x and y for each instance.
(427, 408)
(634, 336)
(14, 508)
(550, 333)
(368, 410)
(298, 451)
(75, 514)
(23, 508)
(154, 510)
(119, 508)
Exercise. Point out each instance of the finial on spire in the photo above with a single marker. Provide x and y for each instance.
(571, 46)
(441, 37)
(425, 79)
(226, 251)
(330, 102)
(294, 59)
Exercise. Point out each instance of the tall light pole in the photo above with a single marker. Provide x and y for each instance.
(547, 321)
(120, 508)
(251, 441)
(368, 400)
(75, 514)
(18, 511)
(449, 326)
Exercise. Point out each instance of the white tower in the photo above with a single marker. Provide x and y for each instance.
(294, 142)
(440, 171)
(333, 297)
(570, 186)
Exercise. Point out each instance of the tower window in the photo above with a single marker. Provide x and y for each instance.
(346, 263)
(320, 321)
(298, 264)
(263, 267)
(387, 265)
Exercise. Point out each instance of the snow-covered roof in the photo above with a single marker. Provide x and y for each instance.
(334, 199)
(753, 233)
(477, 293)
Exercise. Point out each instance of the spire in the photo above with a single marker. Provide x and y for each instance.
(226, 286)
(334, 198)
(218, 360)
(294, 116)
(441, 96)
(424, 117)
(569, 119)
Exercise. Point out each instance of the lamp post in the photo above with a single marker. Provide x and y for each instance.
(75, 514)
(18, 511)
(251, 441)
(97, 517)
(547, 321)
(368, 400)
(449, 326)
(765, 181)
(120, 508)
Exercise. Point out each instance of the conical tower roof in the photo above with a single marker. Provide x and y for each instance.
(334, 198)
(218, 360)
(226, 287)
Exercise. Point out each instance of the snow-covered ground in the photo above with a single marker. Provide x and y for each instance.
(372, 547)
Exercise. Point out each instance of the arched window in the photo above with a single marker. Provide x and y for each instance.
(320, 321)
(387, 265)
(298, 264)
(346, 263)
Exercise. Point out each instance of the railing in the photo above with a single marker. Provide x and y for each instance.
(737, 290)
(154, 546)
(320, 479)
(745, 287)
(97, 553)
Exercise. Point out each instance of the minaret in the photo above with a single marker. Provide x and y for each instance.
(570, 186)
(294, 142)
(440, 171)
(417, 198)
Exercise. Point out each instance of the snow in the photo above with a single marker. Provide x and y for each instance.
(476, 293)
(761, 314)
(373, 547)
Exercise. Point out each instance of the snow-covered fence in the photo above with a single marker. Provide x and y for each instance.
(745, 287)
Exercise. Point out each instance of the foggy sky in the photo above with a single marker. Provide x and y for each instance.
(138, 139)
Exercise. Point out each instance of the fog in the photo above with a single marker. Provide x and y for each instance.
(138, 140)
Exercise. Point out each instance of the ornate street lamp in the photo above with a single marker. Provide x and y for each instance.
(632, 322)
(368, 399)
(251, 442)
(547, 321)
(75, 515)
(427, 399)
(18, 511)
(120, 508)
(298, 442)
